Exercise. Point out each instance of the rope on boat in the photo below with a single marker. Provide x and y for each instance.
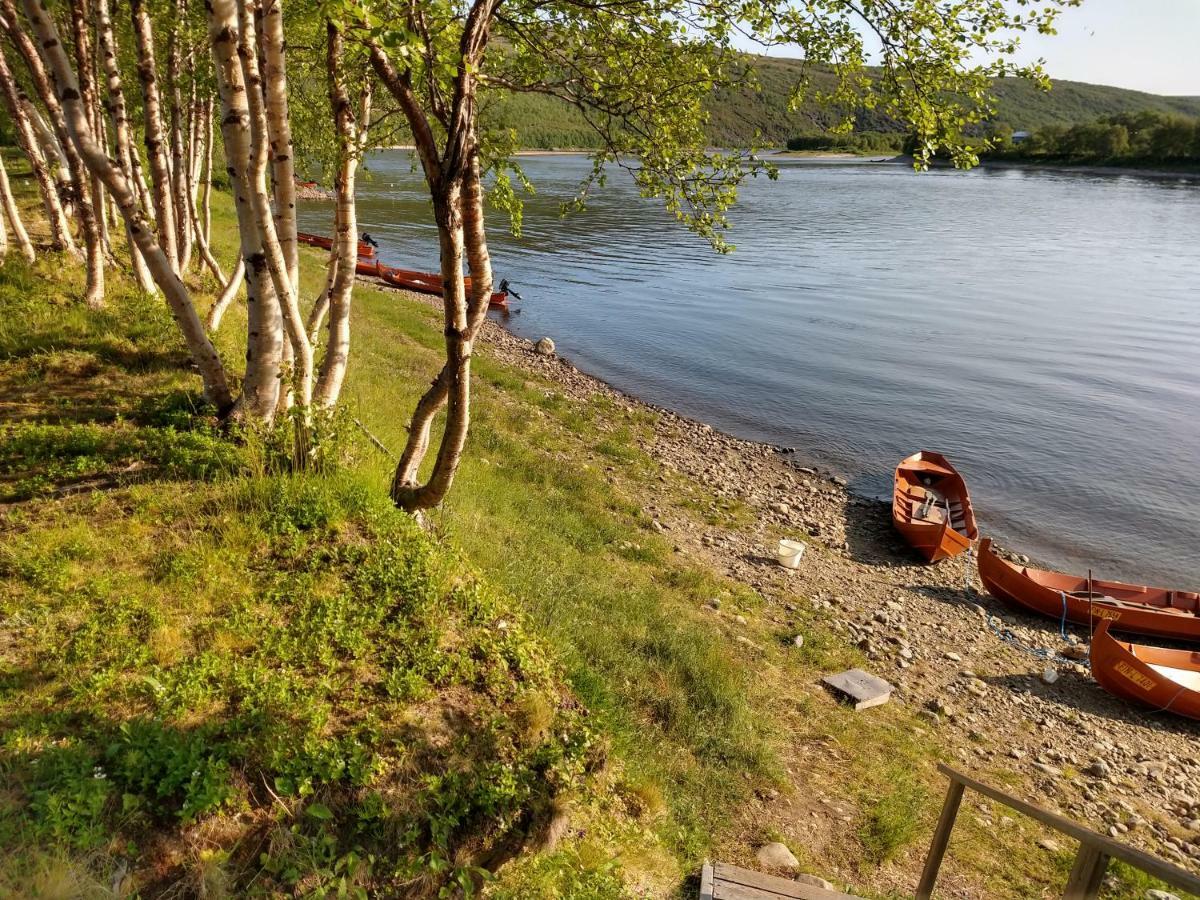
(1006, 634)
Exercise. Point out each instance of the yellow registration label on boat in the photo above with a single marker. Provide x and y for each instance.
(1104, 612)
(1135, 676)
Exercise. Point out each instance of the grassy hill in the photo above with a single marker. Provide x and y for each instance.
(544, 122)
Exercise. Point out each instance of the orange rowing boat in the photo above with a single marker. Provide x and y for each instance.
(1165, 680)
(422, 282)
(1086, 601)
(365, 251)
(931, 506)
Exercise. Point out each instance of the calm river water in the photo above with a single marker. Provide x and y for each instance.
(1042, 329)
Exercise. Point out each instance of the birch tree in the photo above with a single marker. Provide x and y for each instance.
(155, 139)
(12, 214)
(15, 104)
(204, 355)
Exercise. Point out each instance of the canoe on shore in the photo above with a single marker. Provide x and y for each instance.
(931, 506)
(1164, 680)
(409, 279)
(1129, 607)
(422, 282)
(365, 251)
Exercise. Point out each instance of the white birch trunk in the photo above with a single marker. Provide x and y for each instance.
(260, 200)
(94, 249)
(118, 114)
(13, 214)
(60, 229)
(279, 127)
(156, 151)
(264, 342)
(203, 353)
(227, 296)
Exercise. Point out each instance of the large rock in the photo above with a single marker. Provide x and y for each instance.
(776, 856)
(545, 347)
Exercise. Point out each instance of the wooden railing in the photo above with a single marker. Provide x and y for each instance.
(1091, 862)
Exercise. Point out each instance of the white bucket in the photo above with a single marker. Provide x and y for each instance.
(790, 553)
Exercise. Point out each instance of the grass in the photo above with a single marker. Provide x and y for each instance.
(220, 678)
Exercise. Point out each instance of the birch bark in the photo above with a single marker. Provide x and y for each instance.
(264, 341)
(118, 113)
(94, 248)
(204, 355)
(60, 229)
(13, 214)
(260, 200)
(156, 151)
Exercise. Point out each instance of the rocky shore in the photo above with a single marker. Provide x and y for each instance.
(974, 671)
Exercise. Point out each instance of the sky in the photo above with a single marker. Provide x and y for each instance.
(1146, 45)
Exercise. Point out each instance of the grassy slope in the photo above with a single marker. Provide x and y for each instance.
(165, 622)
(544, 122)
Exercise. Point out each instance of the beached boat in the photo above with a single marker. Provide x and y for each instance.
(365, 250)
(1164, 680)
(931, 506)
(422, 282)
(1130, 607)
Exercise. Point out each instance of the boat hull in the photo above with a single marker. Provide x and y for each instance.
(1163, 680)
(931, 507)
(1155, 612)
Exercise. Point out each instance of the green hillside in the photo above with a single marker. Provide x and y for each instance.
(544, 122)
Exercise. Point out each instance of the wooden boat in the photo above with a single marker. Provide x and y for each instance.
(1130, 607)
(422, 282)
(365, 251)
(1165, 680)
(931, 506)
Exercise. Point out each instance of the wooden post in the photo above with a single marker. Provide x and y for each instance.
(941, 840)
(1084, 882)
(706, 881)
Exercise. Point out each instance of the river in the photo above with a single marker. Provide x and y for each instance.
(1040, 328)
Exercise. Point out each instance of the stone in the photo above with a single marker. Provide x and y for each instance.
(815, 880)
(862, 688)
(1075, 651)
(544, 347)
(953, 657)
(776, 856)
(1156, 894)
(1050, 675)
(1098, 769)
(1048, 845)
(782, 508)
(740, 620)
(798, 641)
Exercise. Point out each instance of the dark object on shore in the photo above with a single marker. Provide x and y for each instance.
(1084, 601)
(931, 506)
(365, 251)
(1165, 680)
(410, 279)
(863, 689)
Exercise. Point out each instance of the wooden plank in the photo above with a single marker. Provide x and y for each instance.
(706, 881)
(941, 840)
(727, 890)
(1084, 882)
(1151, 865)
(723, 873)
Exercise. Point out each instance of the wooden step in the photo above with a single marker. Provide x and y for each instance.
(721, 881)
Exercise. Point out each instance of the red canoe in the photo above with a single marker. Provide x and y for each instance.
(422, 282)
(1130, 607)
(931, 506)
(1164, 680)
(365, 251)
